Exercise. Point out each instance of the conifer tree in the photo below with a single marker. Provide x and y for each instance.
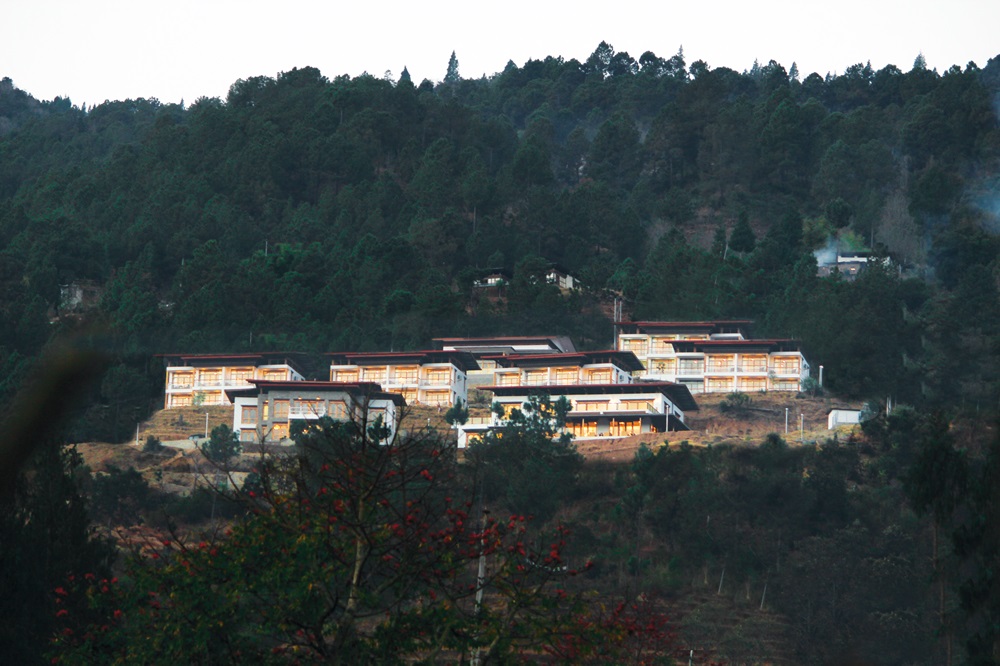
(451, 76)
(742, 239)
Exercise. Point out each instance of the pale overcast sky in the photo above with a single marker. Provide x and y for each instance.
(93, 50)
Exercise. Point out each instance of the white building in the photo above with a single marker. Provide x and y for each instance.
(203, 379)
(485, 351)
(713, 357)
(604, 400)
(266, 411)
(435, 377)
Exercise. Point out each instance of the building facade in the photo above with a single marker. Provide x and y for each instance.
(604, 400)
(608, 411)
(203, 379)
(597, 367)
(266, 411)
(713, 357)
(436, 378)
(486, 350)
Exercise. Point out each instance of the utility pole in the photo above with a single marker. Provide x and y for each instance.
(206, 425)
(802, 428)
(786, 420)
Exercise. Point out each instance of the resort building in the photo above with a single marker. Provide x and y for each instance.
(203, 379)
(713, 357)
(266, 410)
(607, 411)
(599, 367)
(604, 400)
(436, 377)
(485, 351)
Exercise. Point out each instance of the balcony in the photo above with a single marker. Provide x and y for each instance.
(306, 411)
(436, 382)
(752, 368)
(720, 369)
(661, 350)
(786, 370)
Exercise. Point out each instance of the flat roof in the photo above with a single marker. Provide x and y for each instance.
(772, 345)
(679, 394)
(483, 344)
(366, 389)
(716, 326)
(460, 359)
(625, 360)
(249, 358)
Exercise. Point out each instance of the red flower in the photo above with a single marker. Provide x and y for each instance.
(61, 591)
(117, 613)
(62, 612)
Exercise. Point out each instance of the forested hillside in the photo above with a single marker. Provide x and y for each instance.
(308, 214)
(314, 215)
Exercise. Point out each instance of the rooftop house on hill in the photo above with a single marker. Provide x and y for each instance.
(266, 410)
(713, 356)
(434, 377)
(203, 379)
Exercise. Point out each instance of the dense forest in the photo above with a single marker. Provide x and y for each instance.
(307, 214)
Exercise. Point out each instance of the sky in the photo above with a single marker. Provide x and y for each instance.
(185, 49)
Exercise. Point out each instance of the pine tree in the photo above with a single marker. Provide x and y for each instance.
(451, 76)
(742, 239)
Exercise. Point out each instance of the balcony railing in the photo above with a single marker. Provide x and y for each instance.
(306, 411)
(786, 370)
(443, 383)
(752, 367)
(201, 385)
(615, 408)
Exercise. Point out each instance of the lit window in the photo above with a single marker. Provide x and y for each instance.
(280, 410)
(249, 415)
